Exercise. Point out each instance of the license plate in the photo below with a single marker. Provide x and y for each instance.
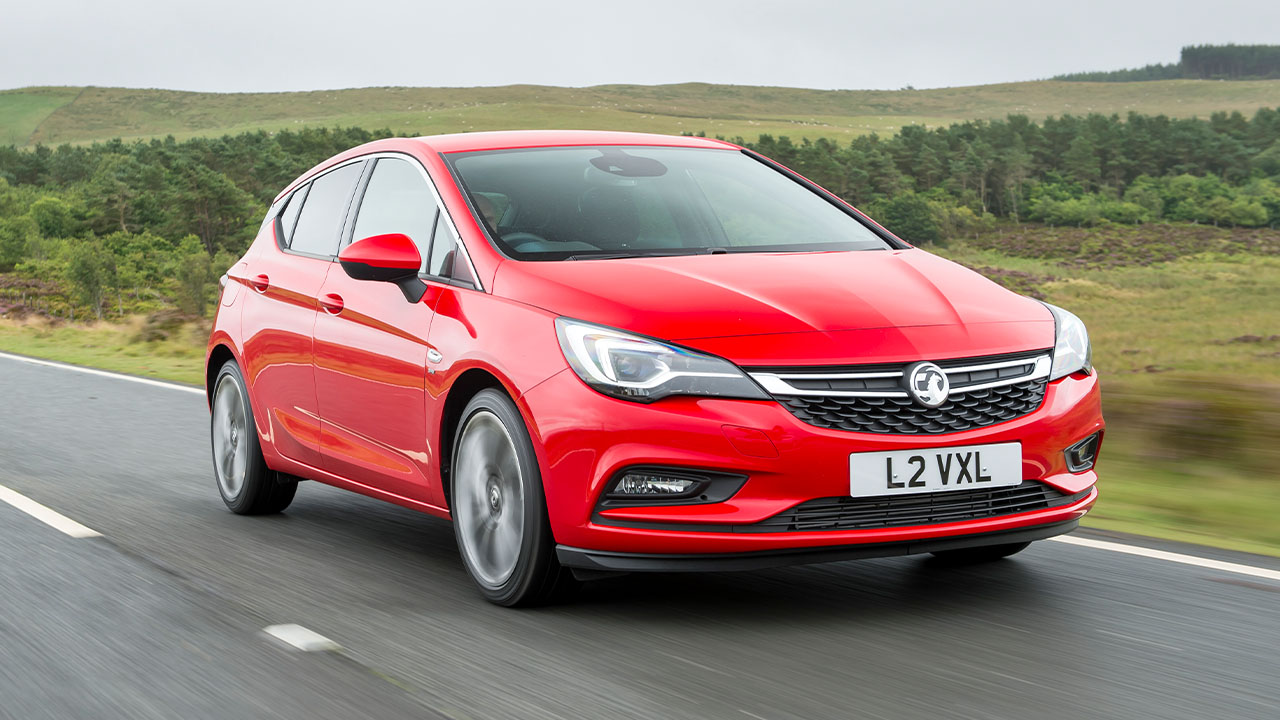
(906, 472)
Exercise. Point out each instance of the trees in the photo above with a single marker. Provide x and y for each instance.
(1234, 62)
(90, 271)
(208, 204)
(193, 269)
(53, 217)
(15, 234)
(155, 222)
(1081, 163)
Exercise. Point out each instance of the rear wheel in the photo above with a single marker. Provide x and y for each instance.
(975, 555)
(499, 511)
(246, 484)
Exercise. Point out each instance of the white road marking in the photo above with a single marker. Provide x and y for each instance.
(1170, 556)
(102, 373)
(45, 515)
(301, 638)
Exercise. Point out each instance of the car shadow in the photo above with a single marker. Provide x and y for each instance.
(418, 553)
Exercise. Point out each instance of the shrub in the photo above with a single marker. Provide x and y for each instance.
(909, 216)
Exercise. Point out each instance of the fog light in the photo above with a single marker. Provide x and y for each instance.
(1084, 454)
(655, 485)
(634, 483)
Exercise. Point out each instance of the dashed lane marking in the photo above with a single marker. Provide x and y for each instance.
(49, 517)
(301, 638)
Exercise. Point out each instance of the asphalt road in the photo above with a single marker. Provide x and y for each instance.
(162, 616)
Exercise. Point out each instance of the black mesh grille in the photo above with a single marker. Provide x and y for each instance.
(850, 513)
(964, 411)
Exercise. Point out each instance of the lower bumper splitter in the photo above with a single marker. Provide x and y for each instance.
(712, 562)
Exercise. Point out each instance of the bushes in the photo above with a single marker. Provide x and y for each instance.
(1183, 198)
(909, 216)
(1088, 211)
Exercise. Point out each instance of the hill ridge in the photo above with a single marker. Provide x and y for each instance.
(54, 114)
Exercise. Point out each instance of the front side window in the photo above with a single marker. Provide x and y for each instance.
(319, 224)
(397, 200)
(579, 202)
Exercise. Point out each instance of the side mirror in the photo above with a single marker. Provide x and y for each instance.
(389, 258)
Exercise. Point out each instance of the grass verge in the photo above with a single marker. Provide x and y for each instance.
(111, 346)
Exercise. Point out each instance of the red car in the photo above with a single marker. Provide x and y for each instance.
(613, 352)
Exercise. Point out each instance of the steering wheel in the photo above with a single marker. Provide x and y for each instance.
(520, 238)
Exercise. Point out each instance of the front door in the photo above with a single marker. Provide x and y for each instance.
(371, 351)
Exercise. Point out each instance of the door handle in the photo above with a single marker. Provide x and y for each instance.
(332, 303)
(260, 283)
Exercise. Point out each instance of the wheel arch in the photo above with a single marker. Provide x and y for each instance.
(470, 382)
(219, 354)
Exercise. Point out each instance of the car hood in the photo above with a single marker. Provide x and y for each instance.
(702, 300)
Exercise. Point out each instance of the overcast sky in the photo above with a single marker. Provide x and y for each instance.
(236, 45)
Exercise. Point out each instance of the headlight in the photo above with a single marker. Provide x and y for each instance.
(1071, 350)
(636, 368)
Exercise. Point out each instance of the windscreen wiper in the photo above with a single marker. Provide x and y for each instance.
(617, 256)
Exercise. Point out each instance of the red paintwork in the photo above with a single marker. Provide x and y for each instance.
(341, 388)
(390, 251)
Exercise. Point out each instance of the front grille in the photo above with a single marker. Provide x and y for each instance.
(872, 399)
(903, 416)
(851, 513)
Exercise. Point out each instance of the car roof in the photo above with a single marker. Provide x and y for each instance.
(510, 139)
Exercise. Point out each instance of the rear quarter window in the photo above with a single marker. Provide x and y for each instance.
(289, 220)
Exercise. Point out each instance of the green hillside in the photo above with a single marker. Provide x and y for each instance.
(58, 115)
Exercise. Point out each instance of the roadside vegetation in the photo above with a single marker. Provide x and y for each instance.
(1159, 232)
(1185, 324)
(162, 345)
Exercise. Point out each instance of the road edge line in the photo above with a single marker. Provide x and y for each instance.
(1192, 560)
(100, 373)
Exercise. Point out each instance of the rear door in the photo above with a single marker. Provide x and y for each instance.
(280, 312)
(371, 351)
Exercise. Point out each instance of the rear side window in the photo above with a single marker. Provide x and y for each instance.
(318, 227)
(397, 200)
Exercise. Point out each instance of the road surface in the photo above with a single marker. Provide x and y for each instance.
(162, 614)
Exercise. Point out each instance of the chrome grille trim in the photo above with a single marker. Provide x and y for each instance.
(776, 383)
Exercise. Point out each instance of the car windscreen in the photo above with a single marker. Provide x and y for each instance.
(622, 201)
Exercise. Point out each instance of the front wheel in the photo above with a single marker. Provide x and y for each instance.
(246, 484)
(499, 511)
(975, 555)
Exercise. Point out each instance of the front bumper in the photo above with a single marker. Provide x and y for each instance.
(719, 562)
(583, 438)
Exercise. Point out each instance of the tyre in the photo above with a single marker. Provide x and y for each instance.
(246, 484)
(499, 510)
(975, 555)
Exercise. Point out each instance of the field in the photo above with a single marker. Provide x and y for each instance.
(1185, 322)
(77, 115)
